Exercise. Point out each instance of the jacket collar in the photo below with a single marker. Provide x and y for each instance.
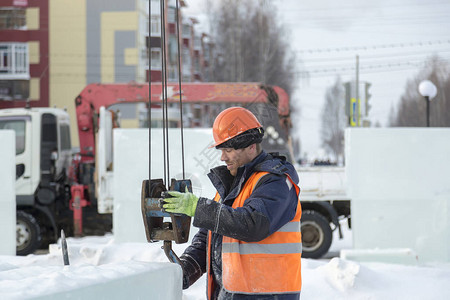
(229, 186)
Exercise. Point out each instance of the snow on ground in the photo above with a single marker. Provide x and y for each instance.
(95, 259)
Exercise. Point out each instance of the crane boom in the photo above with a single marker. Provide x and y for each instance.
(94, 96)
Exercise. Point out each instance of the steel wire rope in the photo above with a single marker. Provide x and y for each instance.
(164, 95)
(149, 110)
(179, 88)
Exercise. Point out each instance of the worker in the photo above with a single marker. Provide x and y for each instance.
(249, 241)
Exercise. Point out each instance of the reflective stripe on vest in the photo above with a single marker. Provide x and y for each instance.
(253, 248)
(270, 266)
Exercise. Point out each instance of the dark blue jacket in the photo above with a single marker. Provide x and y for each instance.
(271, 205)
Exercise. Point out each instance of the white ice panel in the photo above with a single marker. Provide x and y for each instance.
(397, 255)
(399, 185)
(7, 193)
(131, 167)
(131, 280)
(104, 160)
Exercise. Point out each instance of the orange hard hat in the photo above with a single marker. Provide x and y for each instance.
(232, 122)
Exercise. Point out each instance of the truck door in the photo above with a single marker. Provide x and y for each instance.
(49, 148)
(22, 128)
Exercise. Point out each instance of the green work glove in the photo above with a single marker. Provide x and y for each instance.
(181, 203)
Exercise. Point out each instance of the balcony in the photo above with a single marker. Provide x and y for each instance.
(155, 26)
(12, 18)
(14, 90)
(197, 43)
(186, 31)
(14, 61)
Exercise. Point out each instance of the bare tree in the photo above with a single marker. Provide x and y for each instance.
(333, 120)
(411, 110)
(251, 45)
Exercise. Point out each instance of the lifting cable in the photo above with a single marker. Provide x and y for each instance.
(149, 110)
(179, 86)
(154, 190)
(164, 95)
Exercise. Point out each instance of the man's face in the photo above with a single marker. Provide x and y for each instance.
(236, 158)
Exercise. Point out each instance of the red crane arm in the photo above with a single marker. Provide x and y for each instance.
(94, 96)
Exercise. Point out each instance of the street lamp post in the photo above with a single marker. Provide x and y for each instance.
(428, 90)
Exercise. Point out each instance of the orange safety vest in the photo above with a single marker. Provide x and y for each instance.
(270, 266)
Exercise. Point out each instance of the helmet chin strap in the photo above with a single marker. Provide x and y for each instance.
(245, 139)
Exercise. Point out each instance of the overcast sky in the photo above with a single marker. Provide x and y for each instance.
(392, 38)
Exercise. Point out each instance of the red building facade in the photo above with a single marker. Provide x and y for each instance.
(24, 50)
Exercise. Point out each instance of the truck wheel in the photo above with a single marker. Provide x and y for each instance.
(316, 234)
(28, 233)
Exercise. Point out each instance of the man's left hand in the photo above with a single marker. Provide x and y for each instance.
(181, 203)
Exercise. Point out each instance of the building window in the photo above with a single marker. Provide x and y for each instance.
(197, 43)
(173, 50)
(14, 61)
(144, 57)
(186, 61)
(156, 26)
(12, 18)
(206, 51)
(173, 73)
(64, 131)
(197, 114)
(186, 55)
(186, 31)
(196, 65)
(171, 15)
(18, 124)
(186, 78)
(14, 89)
(156, 58)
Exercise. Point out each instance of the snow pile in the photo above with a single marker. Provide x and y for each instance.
(99, 259)
(93, 260)
(340, 279)
(340, 274)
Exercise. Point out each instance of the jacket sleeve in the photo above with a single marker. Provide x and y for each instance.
(271, 205)
(193, 259)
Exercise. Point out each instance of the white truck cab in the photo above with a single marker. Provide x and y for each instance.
(43, 158)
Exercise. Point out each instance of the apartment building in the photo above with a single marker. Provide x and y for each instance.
(24, 45)
(51, 49)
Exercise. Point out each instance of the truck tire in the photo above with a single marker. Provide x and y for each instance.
(28, 233)
(316, 234)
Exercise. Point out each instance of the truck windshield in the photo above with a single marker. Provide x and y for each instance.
(18, 125)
